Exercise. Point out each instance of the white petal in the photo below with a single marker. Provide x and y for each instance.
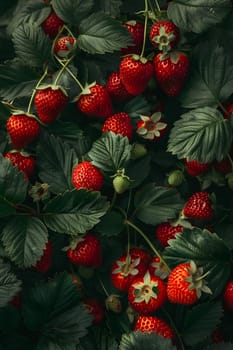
(156, 117)
(161, 126)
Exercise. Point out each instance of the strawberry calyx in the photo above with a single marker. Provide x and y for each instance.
(53, 87)
(127, 267)
(146, 290)
(142, 59)
(174, 56)
(163, 39)
(159, 268)
(196, 279)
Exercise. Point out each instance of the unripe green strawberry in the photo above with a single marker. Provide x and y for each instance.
(175, 178)
(121, 182)
(88, 176)
(113, 303)
(229, 178)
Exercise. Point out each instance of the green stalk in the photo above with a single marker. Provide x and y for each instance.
(71, 74)
(145, 28)
(35, 89)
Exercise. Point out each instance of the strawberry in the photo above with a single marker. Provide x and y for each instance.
(135, 73)
(87, 175)
(95, 308)
(166, 231)
(119, 123)
(44, 263)
(24, 161)
(49, 101)
(116, 89)
(141, 253)
(229, 110)
(95, 100)
(147, 294)
(125, 269)
(52, 25)
(149, 324)
(23, 129)
(164, 35)
(228, 295)
(199, 206)
(136, 30)
(64, 46)
(120, 182)
(113, 303)
(185, 284)
(175, 178)
(194, 168)
(86, 252)
(151, 127)
(158, 268)
(171, 71)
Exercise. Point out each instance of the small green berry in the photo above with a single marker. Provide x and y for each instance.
(121, 183)
(138, 151)
(175, 178)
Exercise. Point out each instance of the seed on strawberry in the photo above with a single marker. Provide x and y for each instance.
(119, 123)
(64, 46)
(44, 263)
(135, 73)
(164, 35)
(88, 176)
(152, 324)
(199, 206)
(194, 168)
(228, 295)
(166, 231)
(186, 283)
(24, 161)
(86, 252)
(116, 89)
(151, 127)
(22, 129)
(171, 72)
(52, 24)
(50, 101)
(94, 100)
(136, 30)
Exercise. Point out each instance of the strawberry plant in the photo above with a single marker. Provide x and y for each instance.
(116, 175)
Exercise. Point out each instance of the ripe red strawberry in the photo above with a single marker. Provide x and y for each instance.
(164, 35)
(229, 109)
(228, 295)
(87, 252)
(185, 284)
(166, 231)
(64, 46)
(171, 72)
(52, 24)
(143, 254)
(24, 161)
(49, 101)
(22, 129)
(137, 31)
(152, 324)
(95, 308)
(119, 123)
(135, 73)
(158, 268)
(116, 89)
(95, 100)
(147, 294)
(125, 269)
(199, 206)
(223, 166)
(88, 176)
(194, 168)
(44, 263)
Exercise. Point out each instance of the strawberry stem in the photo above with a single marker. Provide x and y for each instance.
(157, 6)
(64, 66)
(35, 89)
(174, 327)
(145, 28)
(71, 74)
(129, 223)
(103, 287)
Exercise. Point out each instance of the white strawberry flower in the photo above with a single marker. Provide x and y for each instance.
(151, 127)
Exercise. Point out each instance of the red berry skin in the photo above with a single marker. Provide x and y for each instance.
(178, 289)
(63, 46)
(135, 74)
(88, 176)
(25, 162)
(194, 168)
(152, 324)
(119, 123)
(199, 206)
(95, 308)
(22, 129)
(87, 252)
(116, 89)
(228, 295)
(49, 103)
(96, 102)
(143, 254)
(171, 74)
(44, 264)
(52, 24)
(166, 231)
(169, 28)
(137, 31)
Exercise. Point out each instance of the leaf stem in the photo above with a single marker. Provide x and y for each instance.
(103, 286)
(71, 74)
(62, 70)
(35, 89)
(157, 6)
(174, 327)
(145, 28)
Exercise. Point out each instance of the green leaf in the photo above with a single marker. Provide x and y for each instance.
(210, 78)
(24, 239)
(17, 79)
(75, 211)
(145, 341)
(156, 204)
(46, 344)
(201, 321)
(4, 112)
(15, 341)
(201, 134)
(111, 224)
(9, 318)
(224, 231)
(220, 346)
(110, 7)
(137, 106)
(100, 33)
(198, 15)
(55, 157)
(207, 250)
(72, 11)
(31, 44)
(110, 152)
(134, 168)
(9, 284)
